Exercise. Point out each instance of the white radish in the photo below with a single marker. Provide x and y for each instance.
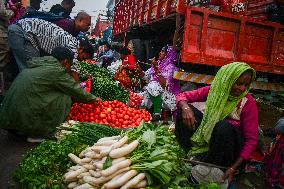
(83, 174)
(120, 143)
(71, 176)
(92, 155)
(99, 165)
(86, 160)
(123, 151)
(74, 168)
(84, 186)
(141, 184)
(96, 174)
(106, 143)
(74, 158)
(101, 179)
(98, 149)
(81, 181)
(72, 185)
(133, 182)
(82, 154)
(115, 183)
(114, 168)
(105, 152)
(109, 138)
(89, 167)
(115, 161)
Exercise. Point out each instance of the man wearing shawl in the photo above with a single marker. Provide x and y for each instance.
(162, 87)
(224, 129)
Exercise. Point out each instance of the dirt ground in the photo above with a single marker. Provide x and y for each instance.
(12, 148)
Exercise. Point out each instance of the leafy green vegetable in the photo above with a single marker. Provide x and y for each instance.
(149, 137)
(89, 133)
(158, 154)
(107, 163)
(103, 84)
(43, 167)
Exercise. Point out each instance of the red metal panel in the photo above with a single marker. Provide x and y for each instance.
(221, 47)
(278, 59)
(258, 43)
(192, 39)
(216, 39)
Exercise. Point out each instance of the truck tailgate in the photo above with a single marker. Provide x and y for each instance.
(216, 38)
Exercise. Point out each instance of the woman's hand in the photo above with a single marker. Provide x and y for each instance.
(188, 117)
(154, 63)
(229, 174)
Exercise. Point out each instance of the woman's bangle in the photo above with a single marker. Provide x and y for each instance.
(232, 169)
(186, 108)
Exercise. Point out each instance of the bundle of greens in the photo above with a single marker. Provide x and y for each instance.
(103, 84)
(158, 155)
(87, 133)
(87, 69)
(44, 166)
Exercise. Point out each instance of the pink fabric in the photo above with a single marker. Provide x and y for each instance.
(18, 12)
(248, 124)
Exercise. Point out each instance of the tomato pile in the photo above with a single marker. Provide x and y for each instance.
(135, 100)
(113, 113)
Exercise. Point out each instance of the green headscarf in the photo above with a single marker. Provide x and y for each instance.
(219, 103)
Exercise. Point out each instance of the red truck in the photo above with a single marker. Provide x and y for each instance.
(210, 38)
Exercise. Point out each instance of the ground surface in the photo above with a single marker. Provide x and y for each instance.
(12, 149)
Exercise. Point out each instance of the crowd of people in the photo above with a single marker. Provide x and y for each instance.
(216, 124)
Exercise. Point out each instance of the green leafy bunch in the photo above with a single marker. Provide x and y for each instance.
(158, 155)
(103, 84)
(44, 166)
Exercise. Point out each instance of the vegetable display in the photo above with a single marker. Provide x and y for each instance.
(103, 84)
(44, 166)
(144, 156)
(135, 100)
(113, 113)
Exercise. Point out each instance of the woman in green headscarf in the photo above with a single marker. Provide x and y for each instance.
(219, 123)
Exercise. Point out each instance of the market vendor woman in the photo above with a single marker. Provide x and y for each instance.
(40, 97)
(224, 129)
(162, 87)
(129, 74)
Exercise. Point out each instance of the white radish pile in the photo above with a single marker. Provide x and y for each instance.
(88, 172)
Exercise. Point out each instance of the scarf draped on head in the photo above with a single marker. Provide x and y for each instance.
(170, 59)
(219, 103)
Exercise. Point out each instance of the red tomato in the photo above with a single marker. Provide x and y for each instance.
(102, 115)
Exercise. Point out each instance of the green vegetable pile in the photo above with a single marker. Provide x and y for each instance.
(158, 155)
(44, 166)
(103, 84)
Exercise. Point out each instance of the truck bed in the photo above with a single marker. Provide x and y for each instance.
(216, 38)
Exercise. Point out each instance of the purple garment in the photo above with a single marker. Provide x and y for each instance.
(68, 25)
(167, 68)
